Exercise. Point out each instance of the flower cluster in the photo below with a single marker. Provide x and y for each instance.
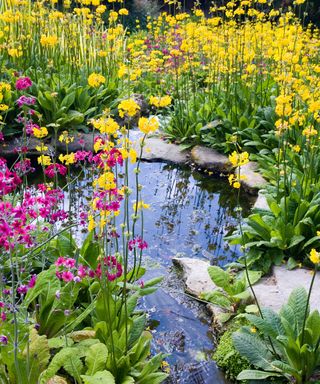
(68, 270)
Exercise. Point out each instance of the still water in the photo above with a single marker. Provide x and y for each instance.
(189, 215)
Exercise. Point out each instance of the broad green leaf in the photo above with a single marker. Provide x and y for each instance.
(249, 374)
(220, 277)
(102, 377)
(96, 358)
(252, 347)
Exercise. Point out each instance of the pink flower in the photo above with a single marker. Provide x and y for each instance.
(60, 261)
(32, 281)
(23, 83)
(70, 263)
(82, 271)
(22, 290)
(67, 276)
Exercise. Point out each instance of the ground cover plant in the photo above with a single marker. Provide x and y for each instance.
(242, 79)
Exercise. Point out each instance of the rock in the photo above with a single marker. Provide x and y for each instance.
(82, 335)
(195, 275)
(274, 291)
(57, 380)
(197, 280)
(10, 149)
(82, 141)
(253, 180)
(261, 202)
(156, 149)
(210, 159)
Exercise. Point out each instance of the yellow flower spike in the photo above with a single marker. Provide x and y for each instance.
(148, 125)
(128, 107)
(140, 205)
(314, 256)
(40, 133)
(44, 160)
(239, 159)
(95, 80)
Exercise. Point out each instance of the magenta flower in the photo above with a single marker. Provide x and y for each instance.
(23, 83)
(32, 281)
(25, 100)
(67, 276)
(22, 290)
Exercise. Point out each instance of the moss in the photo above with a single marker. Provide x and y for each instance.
(227, 357)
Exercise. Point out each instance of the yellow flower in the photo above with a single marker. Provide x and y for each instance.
(239, 159)
(65, 137)
(296, 148)
(3, 107)
(40, 132)
(106, 125)
(160, 102)
(128, 107)
(318, 233)
(309, 131)
(95, 80)
(91, 223)
(123, 11)
(67, 159)
(44, 160)
(14, 52)
(106, 181)
(140, 205)
(148, 125)
(314, 256)
(48, 41)
(41, 148)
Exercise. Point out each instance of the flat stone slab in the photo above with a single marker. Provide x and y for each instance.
(275, 290)
(82, 141)
(261, 202)
(210, 159)
(156, 149)
(197, 280)
(195, 275)
(253, 181)
(10, 149)
(271, 292)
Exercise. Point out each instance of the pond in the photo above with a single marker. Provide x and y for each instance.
(189, 215)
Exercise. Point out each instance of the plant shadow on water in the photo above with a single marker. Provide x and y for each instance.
(189, 215)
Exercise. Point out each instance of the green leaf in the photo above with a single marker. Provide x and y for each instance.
(38, 355)
(253, 348)
(96, 358)
(138, 327)
(102, 377)
(249, 374)
(220, 277)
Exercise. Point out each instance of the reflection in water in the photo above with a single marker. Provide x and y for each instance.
(189, 216)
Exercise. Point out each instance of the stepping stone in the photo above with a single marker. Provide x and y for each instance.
(210, 159)
(274, 291)
(253, 180)
(156, 149)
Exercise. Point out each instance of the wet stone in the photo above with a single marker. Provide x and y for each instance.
(273, 291)
(261, 202)
(207, 158)
(156, 149)
(11, 148)
(196, 279)
(82, 141)
(253, 181)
